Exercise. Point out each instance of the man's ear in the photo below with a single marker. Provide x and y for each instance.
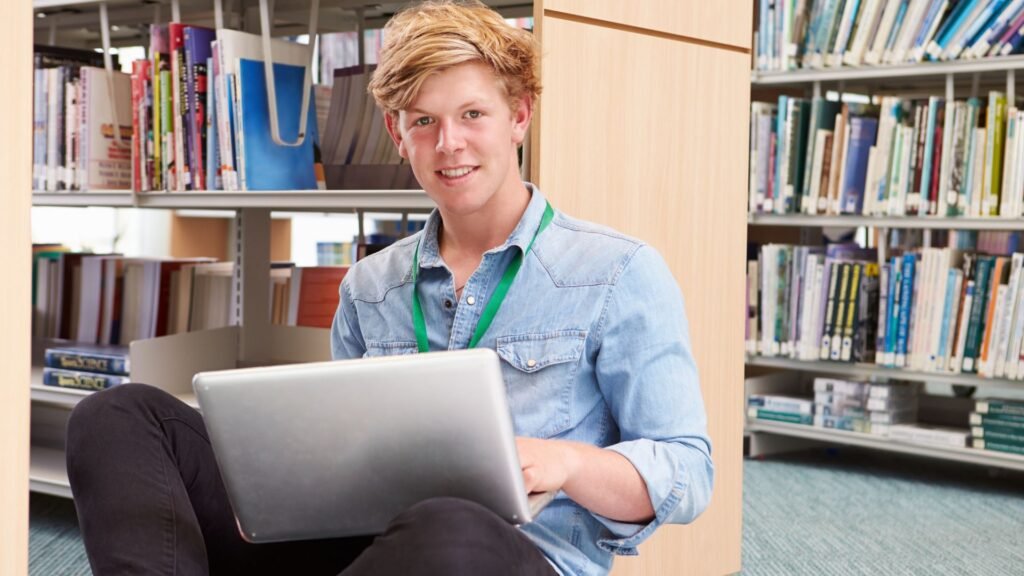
(391, 122)
(521, 115)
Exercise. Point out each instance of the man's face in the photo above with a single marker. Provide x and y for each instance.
(460, 137)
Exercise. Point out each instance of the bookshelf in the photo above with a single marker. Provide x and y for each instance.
(949, 79)
(576, 162)
(292, 200)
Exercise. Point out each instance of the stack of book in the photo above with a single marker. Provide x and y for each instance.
(998, 424)
(841, 404)
(820, 33)
(930, 309)
(82, 127)
(780, 408)
(906, 157)
(85, 367)
(891, 403)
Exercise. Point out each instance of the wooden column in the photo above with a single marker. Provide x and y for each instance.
(15, 290)
(643, 127)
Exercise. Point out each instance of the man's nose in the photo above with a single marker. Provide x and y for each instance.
(449, 138)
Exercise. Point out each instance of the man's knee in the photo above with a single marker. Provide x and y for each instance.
(108, 408)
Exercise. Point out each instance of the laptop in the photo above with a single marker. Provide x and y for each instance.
(334, 449)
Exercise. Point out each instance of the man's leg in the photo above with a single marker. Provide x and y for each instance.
(450, 536)
(150, 498)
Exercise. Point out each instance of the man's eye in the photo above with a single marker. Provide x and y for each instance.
(424, 121)
(473, 114)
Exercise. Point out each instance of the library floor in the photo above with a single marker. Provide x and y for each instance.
(841, 512)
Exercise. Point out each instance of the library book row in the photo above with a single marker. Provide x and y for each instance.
(894, 410)
(941, 310)
(109, 299)
(902, 158)
(195, 115)
(832, 33)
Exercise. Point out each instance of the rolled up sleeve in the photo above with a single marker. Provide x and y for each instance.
(647, 374)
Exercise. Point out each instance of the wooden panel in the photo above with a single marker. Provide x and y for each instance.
(192, 237)
(15, 290)
(662, 156)
(721, 21)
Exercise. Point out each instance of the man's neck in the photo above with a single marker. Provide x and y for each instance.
(469, 237)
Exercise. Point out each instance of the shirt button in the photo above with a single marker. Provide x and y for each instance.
(447, 303)
(531, 363)
(470, 300)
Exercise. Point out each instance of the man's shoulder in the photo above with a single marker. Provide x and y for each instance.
(579, 252)
(372, 277)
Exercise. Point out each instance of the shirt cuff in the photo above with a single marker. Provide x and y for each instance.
(660, 468)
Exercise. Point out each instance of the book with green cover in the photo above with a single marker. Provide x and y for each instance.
(991, 406)
(975, 326)
(776, 416)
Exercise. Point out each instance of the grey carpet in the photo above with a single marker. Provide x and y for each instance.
(832, 512)
(54, 544)
(856, 511)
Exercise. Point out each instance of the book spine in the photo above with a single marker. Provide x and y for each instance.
(975, 326)
(80, 380)
(883, 309)
(786, 417)
(1002, 407)
(826, 334)
(846, 346)
(982, 444)
(780, 403)
(906, 301)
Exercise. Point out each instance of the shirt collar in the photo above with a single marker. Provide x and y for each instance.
(522, 234)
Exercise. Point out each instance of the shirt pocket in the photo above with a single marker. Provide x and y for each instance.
(539, 370)
(395, 348)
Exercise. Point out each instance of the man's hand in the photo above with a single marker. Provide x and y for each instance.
(602, 481)
(547, 464)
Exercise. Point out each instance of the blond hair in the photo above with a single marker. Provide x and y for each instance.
(433, 36)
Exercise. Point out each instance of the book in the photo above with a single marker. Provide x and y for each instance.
(778, 403)
(787, 417)
(81, 380)
(929, 435)
(89, 358)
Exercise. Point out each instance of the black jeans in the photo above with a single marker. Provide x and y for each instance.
(150, 500)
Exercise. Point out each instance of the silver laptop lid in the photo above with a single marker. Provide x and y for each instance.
(340, 448)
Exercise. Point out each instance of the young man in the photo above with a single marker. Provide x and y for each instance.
(589, 325)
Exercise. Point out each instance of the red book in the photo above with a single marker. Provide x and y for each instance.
(318, 295)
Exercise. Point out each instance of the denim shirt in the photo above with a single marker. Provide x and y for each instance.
(594, 346)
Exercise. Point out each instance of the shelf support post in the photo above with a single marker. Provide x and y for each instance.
(1011, 81)
(950, 89)
(175, 11)
(975, 83)
(250, 290)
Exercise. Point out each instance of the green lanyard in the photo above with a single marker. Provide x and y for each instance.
(493, 305)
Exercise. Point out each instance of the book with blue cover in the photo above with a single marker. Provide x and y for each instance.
(94, 358)
(269, 166)
(863, 130)
(197, 53)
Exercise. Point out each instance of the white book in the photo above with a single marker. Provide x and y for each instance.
(930, 435)
(870, 196)
(811, 202)
(840, 174)
(1010, 310)
(924, 310)
(945, 168)
(814, 314)
(912, 23)
(946, 352)
(829, 203)
(869, 18)
(874, 54)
